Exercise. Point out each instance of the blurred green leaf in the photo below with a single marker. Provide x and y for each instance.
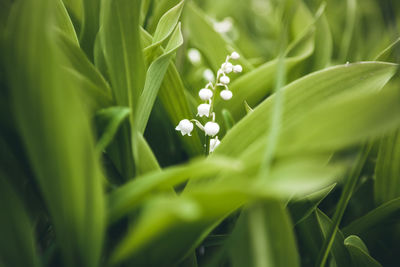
(373, 218)
(108, 121)
(90, 26)
(63, 21)
(55, 130)
(95, 89)
(306, 94)
(359, 252)
(302, 207)
(264, 236)
(387, 169)
(130, 195)
(17, 243)
(212, 44)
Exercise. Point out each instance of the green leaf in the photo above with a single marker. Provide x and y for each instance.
(17, 243)
(154, 78)
(302, 207)
(147, 161)
(205, 38)
(390, 53)
(347, 193)
(56, 133)
(373, 218)
(108, 121)
(90, 26)
(359, 252)
(167, 24)
(338, 251)
(95, 88)
(130, 195)
(263, 237)
(63, 21)
(387, 169)
(306, 94)
(120, 39)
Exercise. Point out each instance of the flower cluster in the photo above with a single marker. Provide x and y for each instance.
(207, 94)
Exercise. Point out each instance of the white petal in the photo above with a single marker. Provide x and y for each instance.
(226, 94)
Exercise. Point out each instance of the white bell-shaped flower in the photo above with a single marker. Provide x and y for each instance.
(226, 94)
(227, 67)
(211, 128)
(235, 55)
(214, 142)
(185, 127)
(237, 68)
(224, 79)
(205, 94)
(194, 55)
(208, 75)
(203, 110)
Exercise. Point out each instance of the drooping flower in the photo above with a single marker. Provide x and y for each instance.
(208, 75)
(185, 127)
(226, 94)
(211, 128)
(227, 67)
(214, 142)
(224, 79)
(194, 55)
(205, 94)
(237, 68)
(203, 110)
(235, 55)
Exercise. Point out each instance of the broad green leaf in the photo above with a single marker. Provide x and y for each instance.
(308, 93)
(387, 169)
(17, 243)
(95, 89)
(359, 252)
(130, 195)
(108, 121)
(206, 39)
(56, 133)
(373, 218)
(154, 78)
(263, 237)
(90, 26)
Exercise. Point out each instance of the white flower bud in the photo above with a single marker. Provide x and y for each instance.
(214, 143)
(226, 94)
(227, 67)
(203, 110)
(224, 79)
(185, 126)
(208, 75)
(211, 128)
(235, 55)
(194, 55)
(237, 68)
(205, 94)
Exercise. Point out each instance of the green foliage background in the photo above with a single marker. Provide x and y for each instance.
(93, 173)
